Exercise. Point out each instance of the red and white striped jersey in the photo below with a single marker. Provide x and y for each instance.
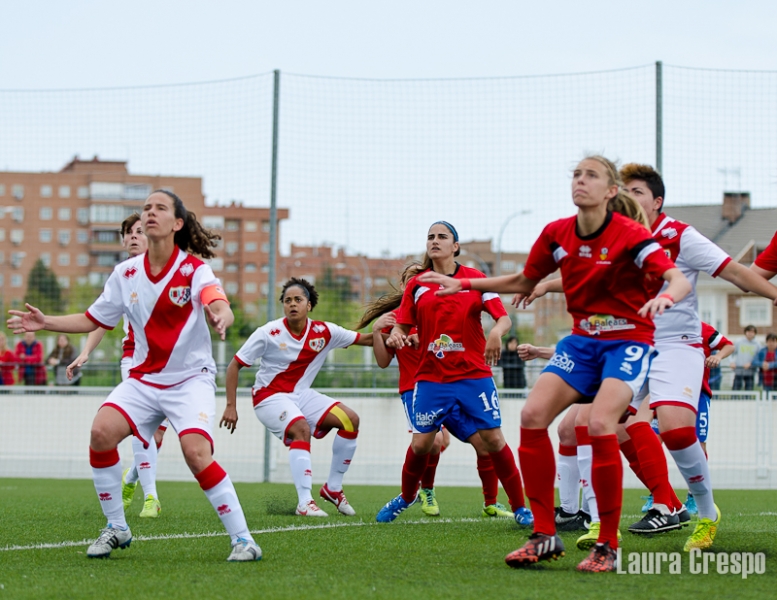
(128, 342)
(691, 252)
(165, 312)
(290, 363)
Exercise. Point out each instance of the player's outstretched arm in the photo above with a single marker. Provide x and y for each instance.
(366, 339)
(749, 280)
(542, 288)
(494, 341)
(507, 284)
(229, 418)
(679, 287)
(397, 339)
(529, 352)
(382, 355)
(92, 341)
(219, 316)
(761, 272)
(34, 320)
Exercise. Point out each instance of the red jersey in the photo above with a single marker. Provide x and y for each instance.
(408, 360)
(452, 342)
(608, 275)
(767, 260)
(712, 339)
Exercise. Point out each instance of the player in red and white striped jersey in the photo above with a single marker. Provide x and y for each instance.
(169, 297)
(292, 351)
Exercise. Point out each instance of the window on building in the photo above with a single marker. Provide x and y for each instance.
(2, 189)
(17, 258)
(250, 287)
(231, 267)
(213, 222)
(106, 191)
(251, 308)
(17, 214)
(250, 246)
(755, 311)
(63, 214)
(266, 226)
(82, 260)
(2, 257)
(137, 191)
(63, 260)
(232, 225)
(250, 268)
(231, 248)
(266, 247)
(217, 264)
(64, 191)
(45, 258)
(17, 191)
(63, 236)
(251, 226)
(2, 280)
(44, 235)
(45, 213)
(16, 281)
(231, 288)
(107, 237)
(64, 282)
(265, 288)
(82, 236)
(83, 192)
(46, 191)
(82, 216)
(2, 234)
(265, 268)
(17, 236)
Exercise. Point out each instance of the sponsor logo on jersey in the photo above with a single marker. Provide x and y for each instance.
(585, 252)
(603, 253)
(224, 509)
(275, 332)
(105, 496)
(180, 295)
(596, 324)
(186, 269)
(129, 272)
(317, 344)
(318, 327)
(669, 232)
(427, 419)
(282, 416)
(202, 417)
(134, 298)
(562, 361)
(283, 347)
(444, 344)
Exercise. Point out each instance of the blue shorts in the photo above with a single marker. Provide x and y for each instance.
(703, 417)
(583, 363)
(460, 426)
(475, 399)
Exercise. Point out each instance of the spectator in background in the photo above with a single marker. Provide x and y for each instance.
(512, 365)
(743, 359)
(29, 355)
(61, 356)
(7, 362)
(766, 360)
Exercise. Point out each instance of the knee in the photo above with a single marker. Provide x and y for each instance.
(493, 440)
(534, 417)
(299, 432)
(99, 439)
(566, 434)
(599, 426)
(354, 420)
(197, 455)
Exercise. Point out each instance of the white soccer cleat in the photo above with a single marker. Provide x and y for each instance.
(338, 499)
(110, 538)
(244, 550)
(310, 509)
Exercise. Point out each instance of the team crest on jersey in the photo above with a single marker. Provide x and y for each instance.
(134, 298)
(585, 252)
(444, 344)
(596, 324)
(180, 295)
(318, 327)
(129, 272)
(603, 253)
(669, 232)
(186, 269)
(668, 253)
(283, 347)
(317, 344)
(282, 416)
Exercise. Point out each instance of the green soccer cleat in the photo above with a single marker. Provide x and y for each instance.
(151, 508)
(588, 540)
(704, 534)
(127, 490)
(497, 510)
(428, 501)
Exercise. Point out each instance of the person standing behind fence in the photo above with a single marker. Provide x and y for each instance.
(766, 360)
(512, 365)
(743, 360)
(7, 362)
(29, 355)
(59, 358)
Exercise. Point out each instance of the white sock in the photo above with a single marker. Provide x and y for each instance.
(132, 473)
(568, 483)
(343, 449)
(223, 498)
(145, 466)
(692, 463)
(107, 484)
(301, 471)
(585, 459)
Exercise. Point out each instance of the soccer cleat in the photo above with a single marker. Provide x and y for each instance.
(588, 540)
(704, 534)
(601, 560)
(110, 538)
(690, 504)
(310, 509)
(539, 547)
(393, 509)
(571, 522)
(497, 509)
(428, 500)
(151, 508)
(684, 515)
(648, 503)
(338, 499)
(244, 550)
(523, 517)
(657, 520)
(127, 489)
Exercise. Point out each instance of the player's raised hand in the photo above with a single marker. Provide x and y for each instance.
(22, 322)
(383, 321)
(449, 285)
(229, 419)
(219, 324)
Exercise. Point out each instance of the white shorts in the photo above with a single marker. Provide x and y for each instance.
(125, 367)
(674, 379)
(280, 411)
(190, 406)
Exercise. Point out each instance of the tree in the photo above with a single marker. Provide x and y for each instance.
(43, 289)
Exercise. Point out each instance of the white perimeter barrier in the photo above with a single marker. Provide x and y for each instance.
(44, 433)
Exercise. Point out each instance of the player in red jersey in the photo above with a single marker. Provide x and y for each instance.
(611, 268)
(293, 350)
(454, 371)
(169, 297)
(765, 263)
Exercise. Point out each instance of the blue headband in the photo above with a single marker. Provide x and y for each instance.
(450, 227)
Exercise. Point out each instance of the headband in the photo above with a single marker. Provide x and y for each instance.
(450, 227)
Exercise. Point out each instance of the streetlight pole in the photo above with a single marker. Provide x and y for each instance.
(498, 268)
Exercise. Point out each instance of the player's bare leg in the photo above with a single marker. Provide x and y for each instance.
(346, 421)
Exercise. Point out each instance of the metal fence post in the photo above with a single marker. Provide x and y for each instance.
(659, 117)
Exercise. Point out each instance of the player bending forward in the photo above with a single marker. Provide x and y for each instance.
(293, 350)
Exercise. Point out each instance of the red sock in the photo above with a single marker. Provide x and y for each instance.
(411, 473)
(488, 479)
(427, 481)
(507, 472)
(538, 464)
(567, 450)
(607, 479)
(630, 452)
(655, 474)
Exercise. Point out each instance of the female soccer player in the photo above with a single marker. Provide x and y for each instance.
(454, 372)
(169, 298)
(293, 350)
(605, 260)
